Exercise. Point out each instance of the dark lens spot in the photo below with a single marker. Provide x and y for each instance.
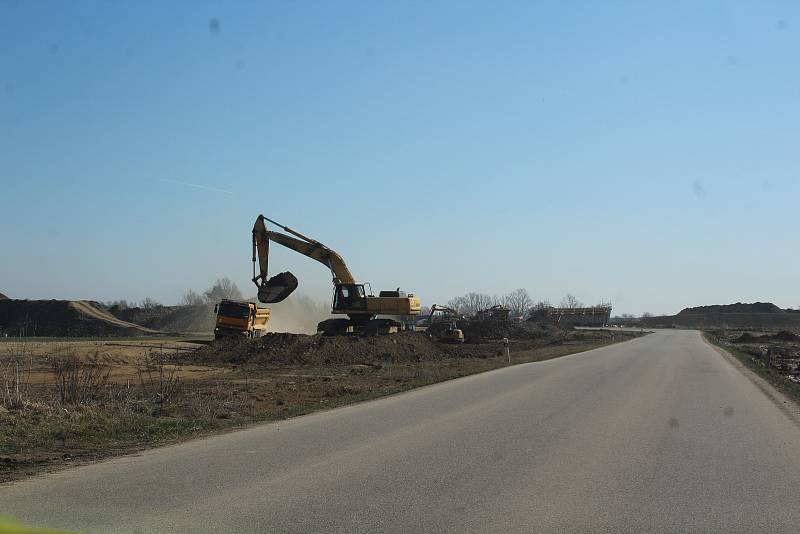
(673, 422)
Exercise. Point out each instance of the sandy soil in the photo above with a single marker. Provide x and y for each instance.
(122, 356)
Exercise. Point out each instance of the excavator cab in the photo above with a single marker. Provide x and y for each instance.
(349, 297)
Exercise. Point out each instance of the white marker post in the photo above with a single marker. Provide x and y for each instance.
(508, 352)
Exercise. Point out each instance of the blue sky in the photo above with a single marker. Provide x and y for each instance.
(639, 152)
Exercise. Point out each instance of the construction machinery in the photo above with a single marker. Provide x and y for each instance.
(445, 326)
(494, 313)
(367, 314)
(237, 318)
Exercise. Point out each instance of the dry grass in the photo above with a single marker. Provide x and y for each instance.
(158, 379)
(15, 374)
(80, 381)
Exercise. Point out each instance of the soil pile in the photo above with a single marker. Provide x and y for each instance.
(755, 307)
(480, 331)
(747, 337)
(756, 315)
(785, 335)
(301, 349)
(169, 318)
(63, 318)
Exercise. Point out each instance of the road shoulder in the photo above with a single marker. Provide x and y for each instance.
(786, 404)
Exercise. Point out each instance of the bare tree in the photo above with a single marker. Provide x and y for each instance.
(223, 288)
(192, 299)
(519, 302)
(646, 315)
(479, 301)
(541, 305)
(457, 303)
(570, 301)
(149, 304)
(471, 303)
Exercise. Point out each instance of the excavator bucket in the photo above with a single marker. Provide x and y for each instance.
(277, 288)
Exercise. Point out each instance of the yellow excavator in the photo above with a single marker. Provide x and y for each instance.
(349, 297)
(444, 327)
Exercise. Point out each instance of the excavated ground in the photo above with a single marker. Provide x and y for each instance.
(196, 319)
(742, 316)
(483, 331)
(301, 349)
(63, 318)
(483, 340)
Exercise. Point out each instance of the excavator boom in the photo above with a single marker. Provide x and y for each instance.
(282, 285)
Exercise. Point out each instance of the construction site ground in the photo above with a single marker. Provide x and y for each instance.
(772, 354)
(70, 402)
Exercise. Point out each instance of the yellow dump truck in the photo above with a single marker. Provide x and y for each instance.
(236, 318)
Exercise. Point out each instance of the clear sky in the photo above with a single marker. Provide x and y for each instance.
(639, 152)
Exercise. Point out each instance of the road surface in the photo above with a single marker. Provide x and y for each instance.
(659, 434)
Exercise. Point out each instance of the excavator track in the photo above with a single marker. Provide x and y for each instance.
(373, 327)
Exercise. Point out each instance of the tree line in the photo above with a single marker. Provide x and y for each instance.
(223, 288)
(519, 302)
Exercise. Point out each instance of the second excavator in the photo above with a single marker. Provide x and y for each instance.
(367, 314)
(444, 327)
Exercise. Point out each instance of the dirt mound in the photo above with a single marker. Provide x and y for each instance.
(63, 318)
(480, 331)
(169, 318)
(301, 349)
(747, 337)
(755, 307)
(785, 335)
(755, 321)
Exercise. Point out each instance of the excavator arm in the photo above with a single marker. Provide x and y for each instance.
(279, 287)
(444, 309)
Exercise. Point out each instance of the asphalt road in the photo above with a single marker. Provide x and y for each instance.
(660, 434)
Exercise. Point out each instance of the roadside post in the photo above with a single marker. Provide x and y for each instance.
(505, 346)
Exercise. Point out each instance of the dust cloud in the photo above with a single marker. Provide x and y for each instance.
(298, 314)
